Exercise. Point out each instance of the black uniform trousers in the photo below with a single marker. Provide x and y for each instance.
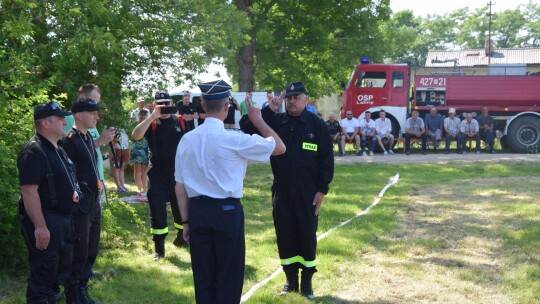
(160, 191)
(47, 265)
(295, 223)
(87, 235)
(218, 249)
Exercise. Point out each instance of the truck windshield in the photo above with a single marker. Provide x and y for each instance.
(371, 79)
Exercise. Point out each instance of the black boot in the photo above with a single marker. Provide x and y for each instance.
(159, 248)
(305, 286)
(179, 239)
(72, 296)
(84, 298)
(291, 272)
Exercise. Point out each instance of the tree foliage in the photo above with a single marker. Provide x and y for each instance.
(49, 48)
(316, 42)
(409, 38)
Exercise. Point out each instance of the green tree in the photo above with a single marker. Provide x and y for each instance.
(317, 42)
(49, 48)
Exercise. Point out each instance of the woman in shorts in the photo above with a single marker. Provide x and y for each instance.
(139, 158)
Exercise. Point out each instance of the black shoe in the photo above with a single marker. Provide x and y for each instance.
(408, 152)
(492, 152)
(292, 281)
(158, 256)
(358, 153)
(342, 154)
(72, 296)
(446, 152)
(423, 152)
(84, 298)
(305, 285)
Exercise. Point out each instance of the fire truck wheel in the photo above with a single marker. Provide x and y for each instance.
(523, 133)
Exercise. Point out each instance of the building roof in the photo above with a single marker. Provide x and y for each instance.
(477, 57)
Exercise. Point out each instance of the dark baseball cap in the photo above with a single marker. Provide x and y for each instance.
(44, 110)
(295, 88)
(85, 105)
(162, 96)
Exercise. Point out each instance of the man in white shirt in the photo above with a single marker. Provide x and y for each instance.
(210, 166)
(452, 125)
(349, 129)
(383, 127)
(469, 129)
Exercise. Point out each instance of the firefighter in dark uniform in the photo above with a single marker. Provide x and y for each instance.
(79, 145)
(49, 196)
(163, 133)
(301, 180)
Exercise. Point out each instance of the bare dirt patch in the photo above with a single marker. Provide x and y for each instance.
(447, 247)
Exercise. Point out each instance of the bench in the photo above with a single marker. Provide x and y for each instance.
(429, 141)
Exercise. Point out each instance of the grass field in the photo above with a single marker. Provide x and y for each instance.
(452, 233)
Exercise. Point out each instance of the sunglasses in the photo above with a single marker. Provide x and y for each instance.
(163, 103)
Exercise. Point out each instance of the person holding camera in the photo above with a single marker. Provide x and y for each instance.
(49, 196)
(163, 132)
(79, 146)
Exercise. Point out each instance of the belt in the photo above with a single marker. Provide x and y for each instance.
(204, 197)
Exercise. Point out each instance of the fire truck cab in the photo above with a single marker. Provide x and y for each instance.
(378, 86)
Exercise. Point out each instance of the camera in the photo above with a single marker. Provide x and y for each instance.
(168, 110)
(116, 133)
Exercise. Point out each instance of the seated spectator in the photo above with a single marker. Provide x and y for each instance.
(469, 129)
(383, 127)
(414, 128)
(349, 129)
(367, 132)
(334, 129)
(452, 125)
(139, 158)
(434, 126)
(487, 134)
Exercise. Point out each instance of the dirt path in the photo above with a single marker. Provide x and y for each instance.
(399, 158)
(446, 248)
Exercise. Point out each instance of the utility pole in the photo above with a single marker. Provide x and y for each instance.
(490, 4)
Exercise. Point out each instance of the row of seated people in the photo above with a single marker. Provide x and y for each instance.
(434, 127)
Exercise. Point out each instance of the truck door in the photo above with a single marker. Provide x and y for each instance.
(370, 89)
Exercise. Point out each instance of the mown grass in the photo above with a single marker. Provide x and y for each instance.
(128, 274)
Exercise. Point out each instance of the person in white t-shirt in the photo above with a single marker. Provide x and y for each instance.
(383, 126)
(349, 129)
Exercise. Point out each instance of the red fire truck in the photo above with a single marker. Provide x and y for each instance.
(513, 101)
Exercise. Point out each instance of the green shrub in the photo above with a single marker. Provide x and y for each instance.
(118, 222)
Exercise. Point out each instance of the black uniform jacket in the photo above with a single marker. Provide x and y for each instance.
(33, 170)
(309, 158)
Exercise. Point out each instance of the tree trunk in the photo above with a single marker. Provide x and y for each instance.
(246, 67)
(245, 58)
